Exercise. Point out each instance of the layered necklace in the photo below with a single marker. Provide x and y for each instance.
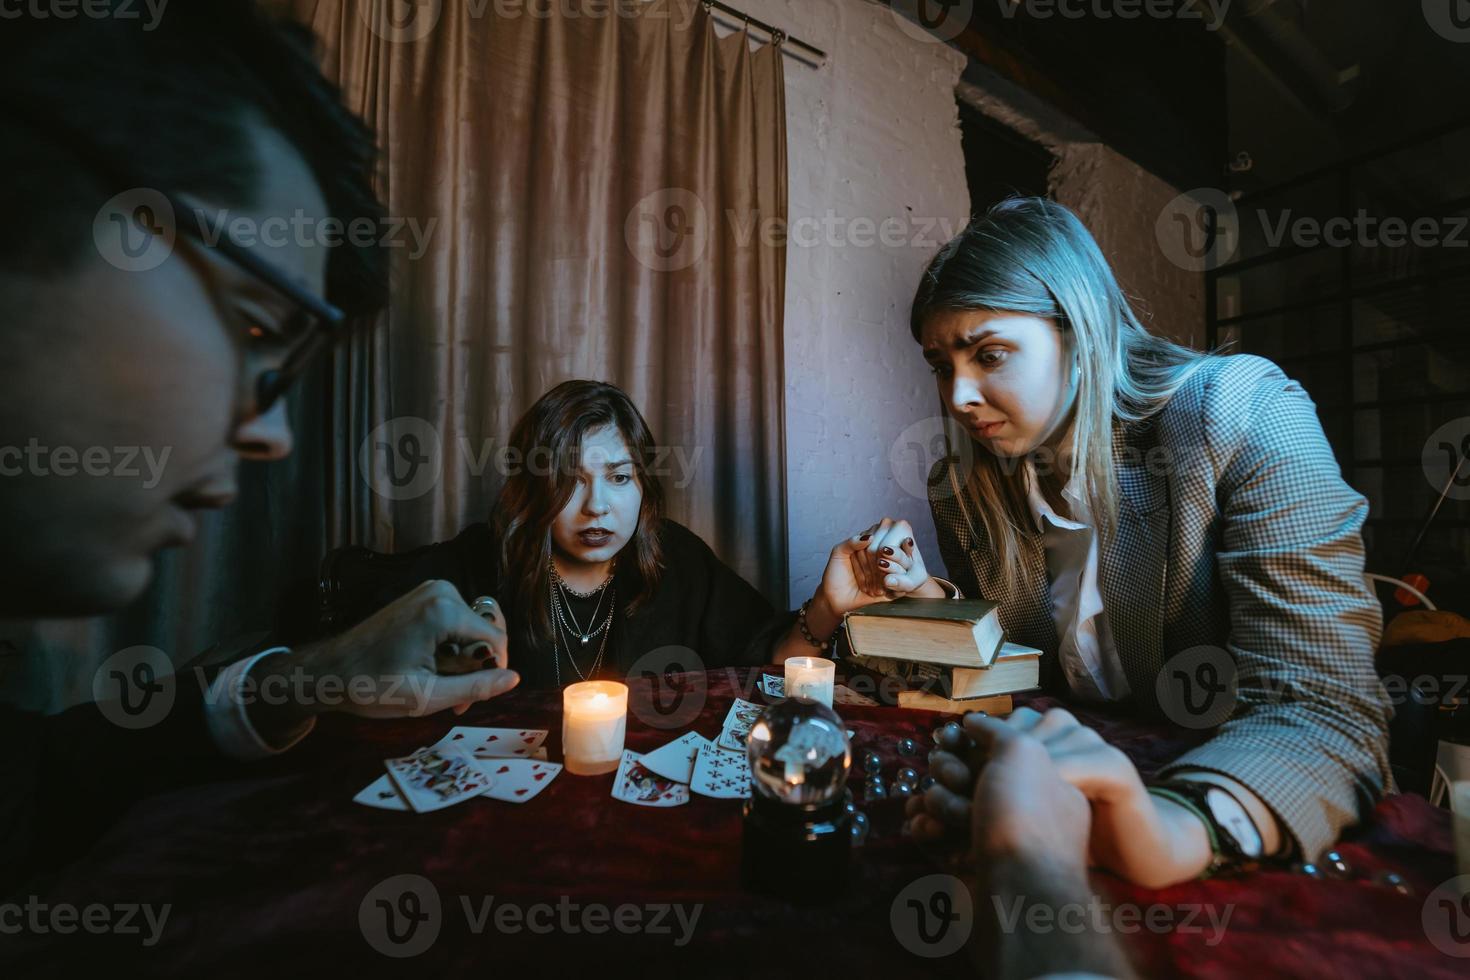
(565, 620)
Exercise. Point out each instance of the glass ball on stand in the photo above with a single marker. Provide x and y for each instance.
(798, 829)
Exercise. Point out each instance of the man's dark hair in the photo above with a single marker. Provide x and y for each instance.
(172, 105)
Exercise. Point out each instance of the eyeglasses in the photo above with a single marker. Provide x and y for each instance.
(316, 322)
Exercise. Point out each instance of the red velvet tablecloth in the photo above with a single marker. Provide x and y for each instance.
(266, 872)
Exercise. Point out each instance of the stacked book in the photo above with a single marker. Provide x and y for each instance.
(942, 654)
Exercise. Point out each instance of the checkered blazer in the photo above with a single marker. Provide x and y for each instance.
(1234, 590)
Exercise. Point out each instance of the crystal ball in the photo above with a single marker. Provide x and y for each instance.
(799, 752)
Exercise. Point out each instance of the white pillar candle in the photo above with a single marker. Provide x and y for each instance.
(811, 677)
(594, 721)
(1460, 808)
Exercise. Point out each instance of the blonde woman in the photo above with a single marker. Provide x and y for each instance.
(1172, 529)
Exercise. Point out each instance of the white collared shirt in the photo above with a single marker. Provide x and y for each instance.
(229, 723)
(1088, 658)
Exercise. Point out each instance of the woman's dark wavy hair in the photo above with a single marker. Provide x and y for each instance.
(547, 441)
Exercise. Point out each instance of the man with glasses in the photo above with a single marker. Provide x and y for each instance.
(128, 322)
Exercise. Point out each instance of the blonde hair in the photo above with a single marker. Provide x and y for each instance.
(1033, 256)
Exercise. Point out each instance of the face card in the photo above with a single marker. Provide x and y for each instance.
(675, 760)
(773, 686)
(517, 780)
(737, 724)
(381, 794)
(731, 741)
(434, 778)
(723, 775)
(741, 716)
(494, 743)
(635, 784)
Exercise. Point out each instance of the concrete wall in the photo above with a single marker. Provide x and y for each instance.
(1120, 203)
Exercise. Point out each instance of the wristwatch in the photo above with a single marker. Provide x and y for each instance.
(1234, 837)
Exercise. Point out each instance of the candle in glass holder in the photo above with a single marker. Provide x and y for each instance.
(594, 721)
(811, 677)
(1460, 810)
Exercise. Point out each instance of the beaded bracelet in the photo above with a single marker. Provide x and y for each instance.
(806, 633)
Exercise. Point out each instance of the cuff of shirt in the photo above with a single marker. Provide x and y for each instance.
(954, 590)
(229, 724)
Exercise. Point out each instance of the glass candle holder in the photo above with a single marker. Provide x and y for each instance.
(811, 677)
(1460, 808)
(594, 722)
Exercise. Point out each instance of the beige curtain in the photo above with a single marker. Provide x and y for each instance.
(605, 195)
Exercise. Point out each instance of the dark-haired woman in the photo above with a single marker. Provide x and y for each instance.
(592, 577)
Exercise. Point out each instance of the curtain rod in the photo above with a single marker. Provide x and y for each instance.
(778, 36)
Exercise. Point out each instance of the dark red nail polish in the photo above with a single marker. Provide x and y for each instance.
(888, 551)
(864, 537)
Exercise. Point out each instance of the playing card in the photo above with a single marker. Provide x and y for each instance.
(635, 784)
(675, 760)
(842, 694)
(517, 780)
(731, 740)
(494, 743)
(773, 686)
(381, 794)
(723, 775)
(435, 778)
(737, 724)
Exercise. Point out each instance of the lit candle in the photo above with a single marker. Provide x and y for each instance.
(811, 677)
(594, 721)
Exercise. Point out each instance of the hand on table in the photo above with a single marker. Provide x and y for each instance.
(1146, 840)
(423, 653)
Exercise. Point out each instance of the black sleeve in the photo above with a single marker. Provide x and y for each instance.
(738, 627)
(367, 583)
(68, 776)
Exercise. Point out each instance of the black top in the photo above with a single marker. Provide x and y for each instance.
(700, 605)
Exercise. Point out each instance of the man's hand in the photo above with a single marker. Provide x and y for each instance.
(1028, 833)
(1020, 806)
(1149, 841)
(423, 653)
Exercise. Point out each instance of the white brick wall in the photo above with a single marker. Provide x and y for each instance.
(872, 135)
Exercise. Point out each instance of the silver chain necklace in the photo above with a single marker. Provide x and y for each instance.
(556, 577)
(561, 624)
(587, 634)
